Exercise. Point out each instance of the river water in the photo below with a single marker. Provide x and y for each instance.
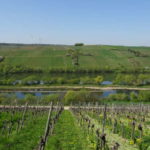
(100, 94)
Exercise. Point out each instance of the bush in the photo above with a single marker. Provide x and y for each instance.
(144, 96)
(118, 97)
(74, 81)
(133, 96)
(50, 98)
(61, 80)
(98, 79)
(79, 96)
(119, 79)
(130, 79)
(86, 80)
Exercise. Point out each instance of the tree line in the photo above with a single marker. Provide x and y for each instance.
(18, 69)
(76, 97)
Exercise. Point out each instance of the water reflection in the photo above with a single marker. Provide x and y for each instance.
(107, 83)
(107, 93)
(38, 94)
(19, 95)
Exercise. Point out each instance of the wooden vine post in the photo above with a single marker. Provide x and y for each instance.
(104, 118)
(23, 116)
(47, 128)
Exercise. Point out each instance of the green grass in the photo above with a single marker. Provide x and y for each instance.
(54, 57)
(27, 138)
(67, 135)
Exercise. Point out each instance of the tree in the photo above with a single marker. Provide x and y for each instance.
(50, 98)
(79, 44)
(86, 80)
(133, 96)
(130, 79)
(74, 54)
(79, 96)
(144, 96)
(30, 80)
(143, 79)
(98, 79)
(61, 80)
(119, 79)
(70, 97)
(118, 97)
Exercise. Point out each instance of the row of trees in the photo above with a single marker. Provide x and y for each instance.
(75, 97)
(68, 98)
(12, 69)
(142, 96)
(30, 99)
(120, 79)
(33, 80)
(123, 79)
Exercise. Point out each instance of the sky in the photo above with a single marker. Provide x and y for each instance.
(111, 22)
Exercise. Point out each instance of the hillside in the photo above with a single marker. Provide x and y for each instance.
(90, 57)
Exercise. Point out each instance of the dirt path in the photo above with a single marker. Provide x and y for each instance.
(65, 88)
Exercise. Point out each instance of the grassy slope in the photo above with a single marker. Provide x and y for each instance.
(47, 57)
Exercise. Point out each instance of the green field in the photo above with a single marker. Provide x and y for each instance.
(54, 57)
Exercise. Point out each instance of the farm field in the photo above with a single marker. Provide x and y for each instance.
(84, 127)
(47, 57)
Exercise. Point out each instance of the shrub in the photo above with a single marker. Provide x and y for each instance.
(61, 80)
(79, 96)
(86, 80)
(98, 79)
(144, 96)
(133, 96)
(50, 98)
(118, 97)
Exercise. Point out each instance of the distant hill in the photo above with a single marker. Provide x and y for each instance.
(55, 56)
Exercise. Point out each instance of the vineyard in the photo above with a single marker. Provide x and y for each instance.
(80, 127)
(27, 128)
(75, 75)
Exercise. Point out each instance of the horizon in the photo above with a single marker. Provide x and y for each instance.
(72, 44)
(64, 22)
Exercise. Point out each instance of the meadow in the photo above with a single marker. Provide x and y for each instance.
(91, 57)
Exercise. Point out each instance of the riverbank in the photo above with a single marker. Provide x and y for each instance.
(65, 88)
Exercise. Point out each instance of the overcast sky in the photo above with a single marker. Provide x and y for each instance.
(115, 22)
